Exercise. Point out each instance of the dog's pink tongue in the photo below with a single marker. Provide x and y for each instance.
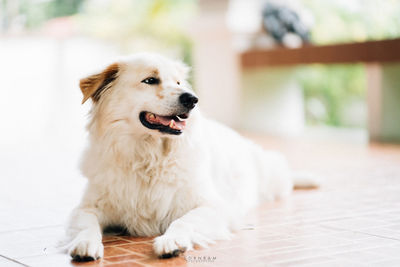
(166, 121)
(177, 125)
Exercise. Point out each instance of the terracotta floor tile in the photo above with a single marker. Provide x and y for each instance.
(134, 239)
(8, 262)
(56, 260)
(108, 238)
(382, 232)
(204, 256)
(375, 241)
(389, 263)
(355, 256)
(225, 244)
(125, 264)
(114, 251)
(389, 252)
(274, 245)
(335, 263)
(352, 220)
(122, 258)
(139, 248)
(299, 254)
(321, 241)
(312, 260)
(219, 259)
(356, 224)
(395, 227)
(99, 262)
(178, 261)
(350, 235)
(243, 251)
(116, 242)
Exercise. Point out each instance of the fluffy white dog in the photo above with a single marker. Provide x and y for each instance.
(157, 167)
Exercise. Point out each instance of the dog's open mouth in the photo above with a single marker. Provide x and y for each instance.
(173, 124)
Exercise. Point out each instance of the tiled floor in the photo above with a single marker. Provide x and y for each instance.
(352, 220)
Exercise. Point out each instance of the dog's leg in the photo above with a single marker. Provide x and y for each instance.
(199, 226)
(85, 230)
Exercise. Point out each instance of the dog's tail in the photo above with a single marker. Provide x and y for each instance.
(304, 180)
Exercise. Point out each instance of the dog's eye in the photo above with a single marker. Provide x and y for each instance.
(178, 83)
(151, 80)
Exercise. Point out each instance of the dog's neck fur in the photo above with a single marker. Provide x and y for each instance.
(131, 153)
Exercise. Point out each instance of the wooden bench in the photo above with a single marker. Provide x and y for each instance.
(385, 51)
(383, 75)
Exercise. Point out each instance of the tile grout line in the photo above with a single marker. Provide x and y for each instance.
(10, 259)
(384, 237)
(33, 228)
(317, 221)
(360, 232)
(130, 242)
(133, 252)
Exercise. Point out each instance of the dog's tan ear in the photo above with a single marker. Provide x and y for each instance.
(95, 84)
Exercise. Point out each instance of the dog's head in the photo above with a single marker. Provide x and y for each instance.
(145, 93)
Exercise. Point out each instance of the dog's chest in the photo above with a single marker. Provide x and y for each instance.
(143, 186)
(148, 199)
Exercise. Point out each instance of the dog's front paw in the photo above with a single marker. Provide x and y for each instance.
(167, 246)
(86, 249)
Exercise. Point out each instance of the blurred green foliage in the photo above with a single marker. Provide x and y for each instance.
(141, 24)
(133, 25)
(338, 21)
(37, 12)
(334, 87)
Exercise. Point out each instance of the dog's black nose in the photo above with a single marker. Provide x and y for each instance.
(188, 100)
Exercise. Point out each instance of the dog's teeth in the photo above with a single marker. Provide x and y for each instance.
(172, 124)
(152, 116)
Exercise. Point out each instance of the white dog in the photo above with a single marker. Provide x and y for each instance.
(156, 166)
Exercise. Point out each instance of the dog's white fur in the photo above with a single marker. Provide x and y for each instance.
(189, 189)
